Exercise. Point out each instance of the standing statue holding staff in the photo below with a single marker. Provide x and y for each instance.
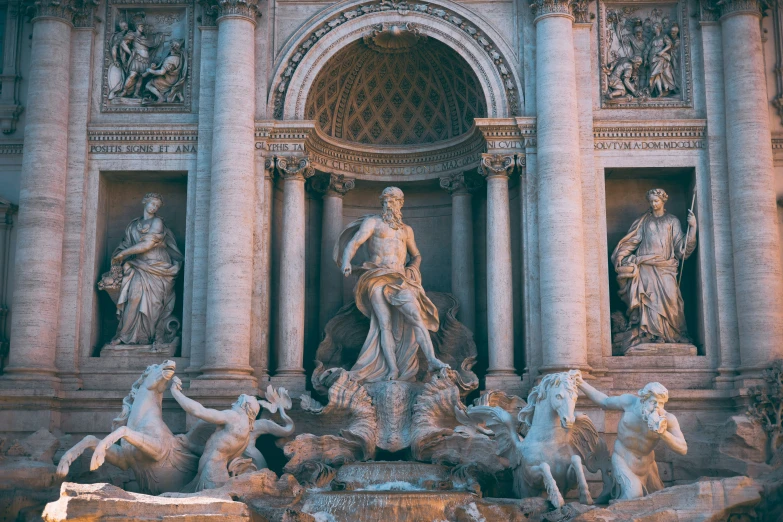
(643, 424)
(647, 261)
(389, 292)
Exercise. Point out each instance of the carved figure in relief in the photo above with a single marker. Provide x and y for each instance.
(141, 46)
(556, 443)
(168, 79)
(643, 424)
(145, 264)
(646, 261)
(655, 39)
(623, 78)
(120, 54)
(389, 292)
(161, 462)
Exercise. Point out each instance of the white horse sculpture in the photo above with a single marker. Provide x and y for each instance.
(556, 444)
(160, 460)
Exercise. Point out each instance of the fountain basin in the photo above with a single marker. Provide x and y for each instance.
(372, 506)
(373, 475)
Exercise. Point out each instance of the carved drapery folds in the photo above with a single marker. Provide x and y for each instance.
(644, 52)
(147, 60)
(496, 165)
(574, 8)
(294, 167)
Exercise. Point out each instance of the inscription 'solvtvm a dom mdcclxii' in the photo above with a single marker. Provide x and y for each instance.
(454, 260)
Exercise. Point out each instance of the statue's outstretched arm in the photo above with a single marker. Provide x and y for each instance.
(673, 436)
(604, 401)
(195, 408)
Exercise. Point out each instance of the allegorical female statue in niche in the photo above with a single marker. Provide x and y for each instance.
(646, 261)
(141, 281)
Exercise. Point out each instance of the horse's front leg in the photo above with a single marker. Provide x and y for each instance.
(151, 448)
(113, 455)
(549, 483)
(581, 481)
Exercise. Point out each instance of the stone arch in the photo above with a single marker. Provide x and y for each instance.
(311, 48)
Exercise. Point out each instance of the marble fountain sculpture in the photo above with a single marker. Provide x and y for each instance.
(396, 440)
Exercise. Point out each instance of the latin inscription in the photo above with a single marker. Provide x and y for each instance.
(370, 170)
(281, 147)
(648, 145)
(143, 149)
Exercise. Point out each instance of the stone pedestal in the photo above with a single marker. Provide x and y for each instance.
(291, 321)
(497, 168)
(462, 248)
(227, 349)
(39, 248)
(561, 234)
(757, 266)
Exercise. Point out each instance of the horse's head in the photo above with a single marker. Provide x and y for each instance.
(157, 376)
(559, 391)
(562, 396)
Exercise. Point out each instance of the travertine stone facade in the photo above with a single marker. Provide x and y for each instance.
(523, 137)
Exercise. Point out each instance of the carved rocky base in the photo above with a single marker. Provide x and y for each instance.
(681, 349)
(122, 350)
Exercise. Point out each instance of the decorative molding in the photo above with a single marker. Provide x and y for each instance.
(395, 163)
(402, 8)
(142, 141)
(508, 134)
(247, 9)
(11, 148)
(619, 45)
(294, 167)
(169, 30)
(62, 9)
(394, 38)
(617, 135)
(731, 7)
(496, 165)
(332, 184)
(576, 9)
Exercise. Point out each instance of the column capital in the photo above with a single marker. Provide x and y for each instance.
(269, 168)
(62, 10)
(575, 9)
(460, 183)
(714, 10)
(294, 167)
(332, 185)
(496, 165)
(84, 13)
(215, 10)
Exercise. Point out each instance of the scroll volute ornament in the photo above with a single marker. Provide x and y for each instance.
(496, 165)
(293, 167)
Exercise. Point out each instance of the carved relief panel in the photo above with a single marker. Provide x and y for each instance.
(644, 53)
(147, 60)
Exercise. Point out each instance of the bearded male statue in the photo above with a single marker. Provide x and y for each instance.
(644, 422)
(389, 292)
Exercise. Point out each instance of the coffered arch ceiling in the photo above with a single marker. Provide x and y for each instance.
(395, 93)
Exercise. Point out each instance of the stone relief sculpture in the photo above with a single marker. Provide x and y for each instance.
(160, 460)
(141, 283)
(644, 422)
(147, 69)
(556, 441)
(389, 292)
(647, 260)
(642, 56)
(766, 408)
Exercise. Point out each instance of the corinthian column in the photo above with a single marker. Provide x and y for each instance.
(291, 321)
(497, 168)
(563, 316)
(39, 250)
(757, 267)
(333, 187)
(462, 275)
(232, 198)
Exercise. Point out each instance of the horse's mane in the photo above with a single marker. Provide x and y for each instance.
(127, 402)
(538, 393)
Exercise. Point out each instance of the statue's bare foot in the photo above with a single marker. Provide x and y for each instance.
(115, 342)
(393, 374)
(437, 364)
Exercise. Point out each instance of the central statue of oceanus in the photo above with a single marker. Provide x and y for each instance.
(389, 292)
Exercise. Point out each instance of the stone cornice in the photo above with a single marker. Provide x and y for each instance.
(136, 135)
(683, 129)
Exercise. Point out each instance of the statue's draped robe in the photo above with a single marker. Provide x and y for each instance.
(146, 299)
(648, 279)
(398, 289)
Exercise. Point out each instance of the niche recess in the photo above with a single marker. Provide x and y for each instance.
(119, 202)
(626, 200)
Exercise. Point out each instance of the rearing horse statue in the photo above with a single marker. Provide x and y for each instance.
(161, 461)
(556, 444)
